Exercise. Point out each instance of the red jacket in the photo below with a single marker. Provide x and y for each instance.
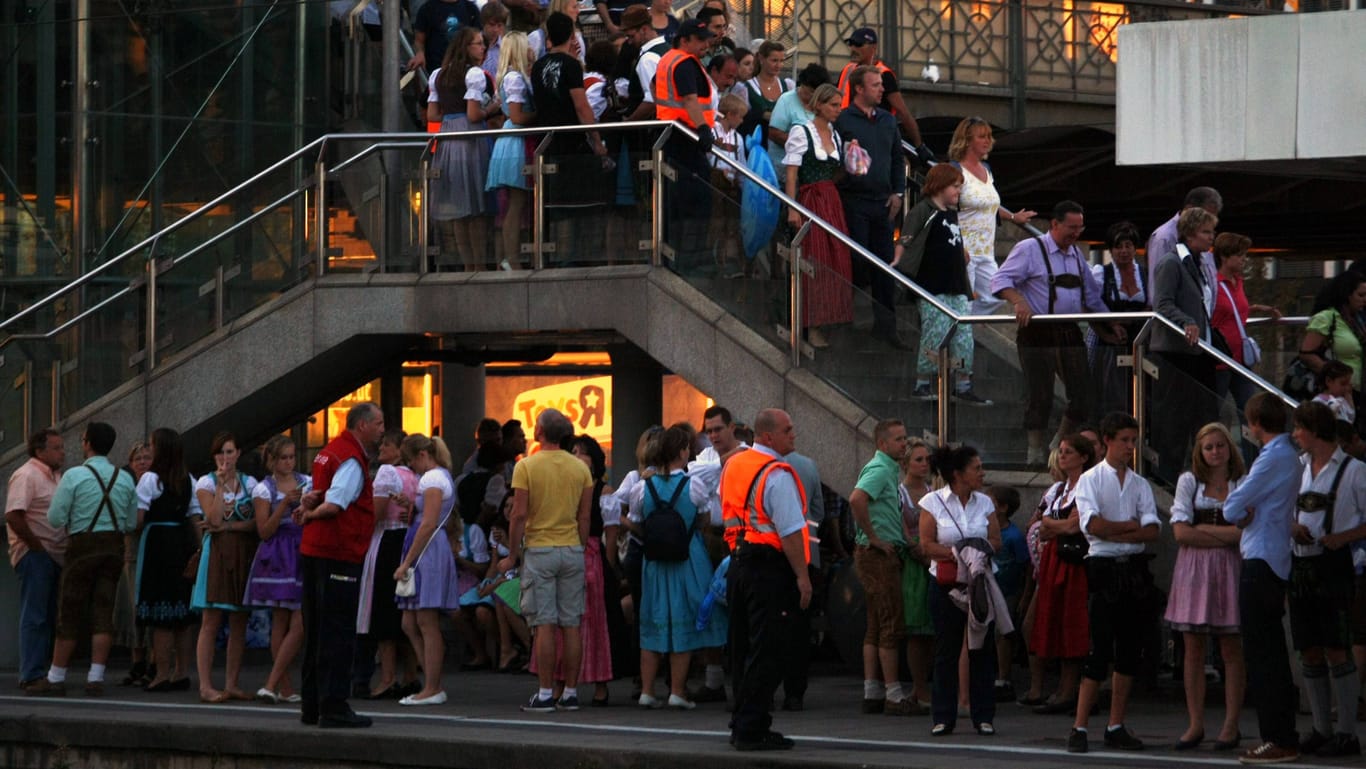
(346, 536)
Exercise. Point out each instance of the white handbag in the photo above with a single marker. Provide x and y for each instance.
(407, 587)
(1252, 352)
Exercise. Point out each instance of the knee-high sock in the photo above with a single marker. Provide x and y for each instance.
(1346, 689)
(1320, 697)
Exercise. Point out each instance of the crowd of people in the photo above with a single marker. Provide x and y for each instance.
(705, 557)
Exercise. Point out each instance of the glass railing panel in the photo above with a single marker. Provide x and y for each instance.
(101, 348)
(187, 307)
(1182, 397)
(598, 208)
(702, 243)
(15, 386)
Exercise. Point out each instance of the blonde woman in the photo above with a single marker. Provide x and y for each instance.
(915, 578)
(537, 38)
(979, 207)
(510, 152)
(427, 551)
(1204, 594)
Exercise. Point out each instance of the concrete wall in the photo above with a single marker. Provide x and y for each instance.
(1266, 88)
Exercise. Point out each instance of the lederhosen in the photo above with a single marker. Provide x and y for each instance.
(1065, 342)
(94, 561)
(1322, 586)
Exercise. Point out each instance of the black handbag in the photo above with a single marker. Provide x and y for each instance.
(1072, 548)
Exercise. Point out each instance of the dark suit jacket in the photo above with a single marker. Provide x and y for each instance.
(1178, 296)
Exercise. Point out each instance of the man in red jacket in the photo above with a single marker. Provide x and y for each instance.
(338, 517)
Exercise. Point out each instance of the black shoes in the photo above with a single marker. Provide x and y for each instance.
(1076, 742)
(769, 741)
(1310, 745)
(1122, 739)
(346, 720)
(1340, 745)
(792, 704)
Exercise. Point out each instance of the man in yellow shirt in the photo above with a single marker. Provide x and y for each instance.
(552, 494)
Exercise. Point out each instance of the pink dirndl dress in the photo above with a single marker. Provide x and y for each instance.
(1204, 592)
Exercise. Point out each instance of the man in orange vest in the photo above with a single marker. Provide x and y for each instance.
(863, 44)
(764, 508)
(684, 93)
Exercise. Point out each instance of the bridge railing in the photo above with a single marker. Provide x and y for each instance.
(158, 300)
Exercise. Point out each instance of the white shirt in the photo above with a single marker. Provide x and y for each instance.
(954, 521)
(705, 488)
(150, 489)
(799, 140)
(648, 63)
(1347, 510)
(1187, 489)
(209, 483)
(1099, 493)
(346, 484)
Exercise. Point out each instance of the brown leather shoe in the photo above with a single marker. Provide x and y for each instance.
(1269, 753)
(45, 688)
(94, 689)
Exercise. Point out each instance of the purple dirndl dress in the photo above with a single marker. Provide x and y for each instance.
(276, 580)
(435, 572)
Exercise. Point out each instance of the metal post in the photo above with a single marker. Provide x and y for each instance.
(386, 216)
(538, 208)
(945, 388)
(1015, 37)
(657, 199)
(795, 270)
(151, 357)
(321, 223)
(26, 398)
(218, 297)
(1140, 349)
(54, 408)
(423, 247)
(392, 99)
(82, 239)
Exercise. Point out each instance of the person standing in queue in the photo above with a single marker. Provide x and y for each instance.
(338, 519)
(1263, 506)
(769, 587)
(683, 92)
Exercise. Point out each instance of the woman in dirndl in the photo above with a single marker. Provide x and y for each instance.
(915, 576)
(511, 153)
(395, 488)
(461, 97)
(276, 580)
(227, 552)
(813, 157)
(164, 550)
(1204, 593)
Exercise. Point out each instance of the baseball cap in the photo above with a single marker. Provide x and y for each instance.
(694, 28)
(862, 36)
(635, 16)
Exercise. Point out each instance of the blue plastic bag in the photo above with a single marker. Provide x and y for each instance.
(716, 592)
(759, 208)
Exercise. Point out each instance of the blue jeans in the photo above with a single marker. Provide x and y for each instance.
(38, 578)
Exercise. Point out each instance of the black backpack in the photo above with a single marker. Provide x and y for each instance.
(666, 535)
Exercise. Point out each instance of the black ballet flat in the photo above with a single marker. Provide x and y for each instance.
(1229, 744)
(1192, 743)
(392, 693)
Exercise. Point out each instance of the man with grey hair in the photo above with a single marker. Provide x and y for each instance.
(338, 517)
(1164, 238)
(551, 495)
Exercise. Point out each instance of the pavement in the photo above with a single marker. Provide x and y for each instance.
(481, 726)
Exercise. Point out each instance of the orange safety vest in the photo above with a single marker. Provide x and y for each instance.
(668, 102)
(742, 501)
(848, 70)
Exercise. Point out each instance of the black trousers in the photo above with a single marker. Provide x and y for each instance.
(1270, 688)
(871, 227)
(950, 625)
(1049, 350)
(765, 622)
(331, 597)
(797, 675)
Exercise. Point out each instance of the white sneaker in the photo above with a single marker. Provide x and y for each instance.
(679, 703)
(648, 701)
(436, 699)
(265, 695)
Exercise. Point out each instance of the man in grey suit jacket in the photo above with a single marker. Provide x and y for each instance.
(1183, 294)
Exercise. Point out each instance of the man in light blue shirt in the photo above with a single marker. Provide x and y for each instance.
(1263, 506)
(96, 504)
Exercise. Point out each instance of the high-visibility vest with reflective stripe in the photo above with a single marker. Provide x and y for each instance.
(668, 102)
(848, 70)
(742, 501)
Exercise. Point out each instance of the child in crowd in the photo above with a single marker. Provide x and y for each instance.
(1012, 562)
(725, 211)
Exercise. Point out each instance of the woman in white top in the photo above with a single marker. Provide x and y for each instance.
(510, 153)
(427, 551)
(1204, 593)
(161, 587)
(228, 549)
(979, 207)
(460, 96)
(537, 37)
(958, 512)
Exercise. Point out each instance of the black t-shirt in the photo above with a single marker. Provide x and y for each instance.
(439, 21)
(890, 85)
(691, 80)
(553, 77)
(943, 271)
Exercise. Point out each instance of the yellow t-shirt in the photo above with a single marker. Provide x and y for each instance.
(554, 481)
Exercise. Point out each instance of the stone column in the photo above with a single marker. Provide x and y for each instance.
(462, 406)
(637, 403)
